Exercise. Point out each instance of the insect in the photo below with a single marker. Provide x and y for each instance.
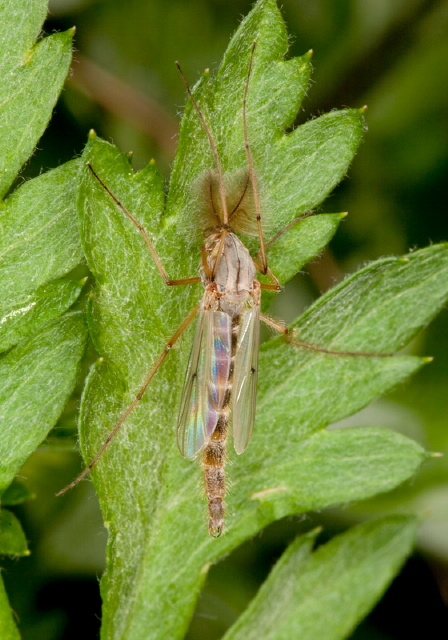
(221, 378)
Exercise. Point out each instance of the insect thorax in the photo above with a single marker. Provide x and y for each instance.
(234, 281)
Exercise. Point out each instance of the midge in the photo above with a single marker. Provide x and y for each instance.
(221, 378)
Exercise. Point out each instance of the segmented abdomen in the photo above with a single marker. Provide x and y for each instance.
(214, 455)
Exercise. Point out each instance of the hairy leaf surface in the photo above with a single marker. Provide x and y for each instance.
(31, 78)
(149, 495)
(325, 594)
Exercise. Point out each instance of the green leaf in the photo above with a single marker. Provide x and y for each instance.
(301, 243)
(38, 244)
(37, 221)
(372, 303)
(36, 379)
(8, 629)
(16, 493)
(24, 19)
(297, 246)
(295, 172)
(12, 537)
(31, 78)
(319, 472)
(125, 274)
(149, 495)
(326, 594)
(47, 303)
(305, 166)
(378, 309)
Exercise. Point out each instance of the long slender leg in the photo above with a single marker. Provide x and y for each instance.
(169, 345)
(271, 287)
(144, 233)
(250, 162)
(289, 337)
(263, 246)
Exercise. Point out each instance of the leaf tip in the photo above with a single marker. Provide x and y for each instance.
(363, 109)
(72, 31)
(28, 57)
(152, 162)
(206, 72)
(83, 281)
(436, 454)
(309, 54)
(428, 359)
(343, 215)
(92, 134)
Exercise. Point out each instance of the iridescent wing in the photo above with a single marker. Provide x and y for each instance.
(205, 382)
(245, 377)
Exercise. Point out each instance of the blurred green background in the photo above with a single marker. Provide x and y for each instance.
(390, 55)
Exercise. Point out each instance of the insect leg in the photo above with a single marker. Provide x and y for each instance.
(250, 162)
(144, 233)
(271, 287)
(169, 345)
(288, 335)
